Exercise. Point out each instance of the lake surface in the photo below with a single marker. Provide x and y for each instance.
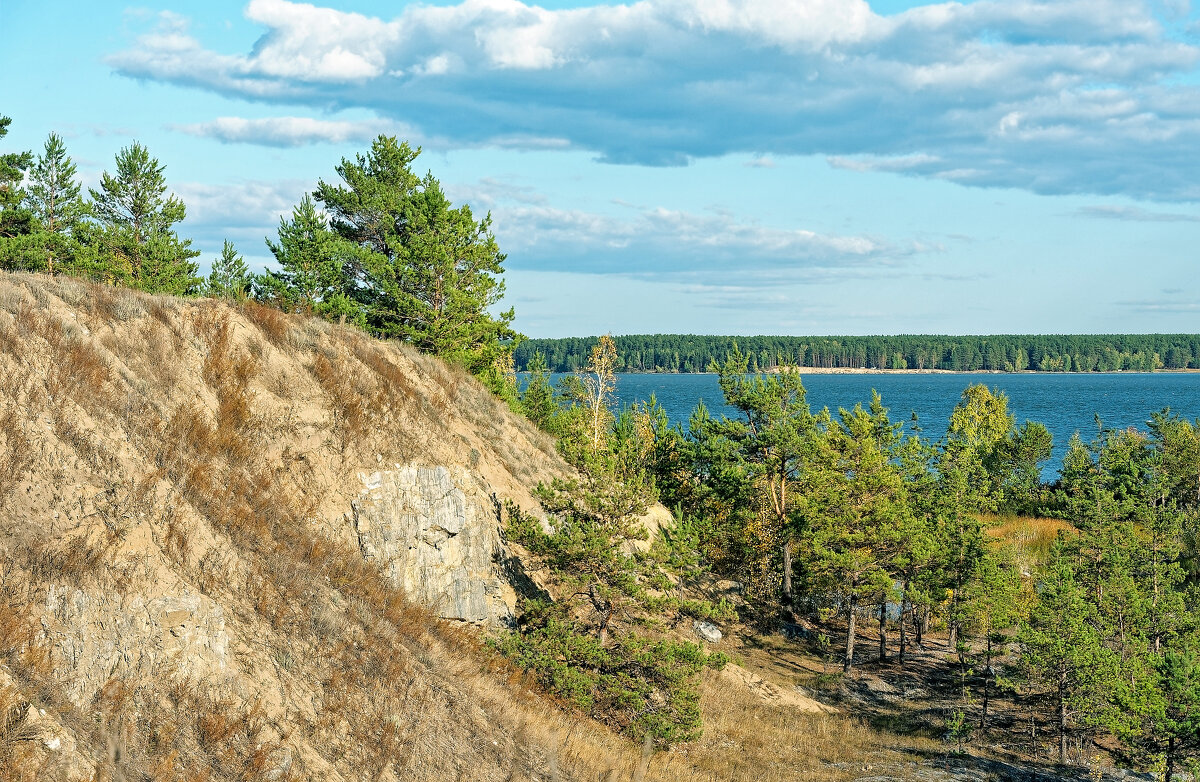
(1064, 403)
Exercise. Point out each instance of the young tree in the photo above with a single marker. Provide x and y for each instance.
(138, 243)
(1062, 648)
(972, 459)
(316, 268)
(600, 382)
(229, 278)
(430, 270)
(991, 606)
(860, 520)
(55, 201)
(17, 223)
(776, 438)
(537, 399)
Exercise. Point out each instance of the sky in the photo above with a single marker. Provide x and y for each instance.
(687, 166)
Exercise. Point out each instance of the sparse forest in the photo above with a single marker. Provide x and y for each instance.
(831, 521)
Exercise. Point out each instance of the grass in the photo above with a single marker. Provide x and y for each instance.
(1030, 537)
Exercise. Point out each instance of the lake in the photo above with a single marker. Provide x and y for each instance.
(1065, 403)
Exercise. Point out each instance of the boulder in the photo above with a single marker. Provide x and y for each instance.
(707, 631)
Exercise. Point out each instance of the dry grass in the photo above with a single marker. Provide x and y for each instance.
(1030, 538)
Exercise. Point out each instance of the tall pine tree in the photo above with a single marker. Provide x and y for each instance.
(137, 243)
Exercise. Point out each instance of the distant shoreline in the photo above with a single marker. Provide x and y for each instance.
(867, 371)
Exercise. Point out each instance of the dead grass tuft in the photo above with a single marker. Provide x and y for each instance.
(274, 324)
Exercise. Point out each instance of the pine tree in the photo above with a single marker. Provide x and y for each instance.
(54, 198)
(1062, 649)
(537, 400)
(136, 243)
(316, 271)
(430, 270)
(18, 225)
(229, 278)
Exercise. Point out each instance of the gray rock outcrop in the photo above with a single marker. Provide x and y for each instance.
(101, 636)
(434, 532)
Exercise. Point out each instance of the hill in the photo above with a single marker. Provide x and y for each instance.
(239, 545)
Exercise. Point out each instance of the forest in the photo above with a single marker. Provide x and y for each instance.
(996, 353)
(835, 520)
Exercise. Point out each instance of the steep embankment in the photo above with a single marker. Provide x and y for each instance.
(226, 537)
(207, 512)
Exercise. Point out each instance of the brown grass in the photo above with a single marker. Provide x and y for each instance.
(276, 325)
(1030, 537)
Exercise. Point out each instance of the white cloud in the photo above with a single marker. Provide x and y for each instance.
(655, 242)
(290, 131)
(1053, 96)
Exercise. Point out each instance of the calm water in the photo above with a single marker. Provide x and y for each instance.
(1064, 403)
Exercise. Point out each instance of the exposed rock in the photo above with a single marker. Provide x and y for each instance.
(434, 532)
(100, 636)
(707, 630)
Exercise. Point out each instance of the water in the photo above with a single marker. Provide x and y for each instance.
(1064, 403)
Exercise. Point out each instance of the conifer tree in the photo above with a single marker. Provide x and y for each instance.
(316, 270)
(137, 243)
(775, 440)
(1062, 649)
(537, 400)
(860, 521)
(54, 198)
(17, 223)
(229, 278)
(430, 271)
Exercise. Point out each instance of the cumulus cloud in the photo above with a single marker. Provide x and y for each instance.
(653, 242)
(1054, 96)
(243, 212)
(289, 131)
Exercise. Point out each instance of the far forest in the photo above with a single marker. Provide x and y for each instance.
(995, 353)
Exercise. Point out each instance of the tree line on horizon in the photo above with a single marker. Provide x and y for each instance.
(994, 353)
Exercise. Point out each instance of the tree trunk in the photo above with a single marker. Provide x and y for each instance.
(883, 629)
(1062, 717)
(903, 634)
(1170, 759)
(987, 678)
(787, 573)
(849, 663)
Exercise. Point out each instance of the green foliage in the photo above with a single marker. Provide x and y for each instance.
(315, 269)
(1001, 353)
(229, 278)
(54, 199)
(17, 222)
(537, 398)
(135, 243)
(428, 271)
(639, 686)
(775, 443)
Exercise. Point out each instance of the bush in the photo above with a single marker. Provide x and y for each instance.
(640, 686)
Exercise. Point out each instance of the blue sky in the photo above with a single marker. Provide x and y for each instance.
(704, 166)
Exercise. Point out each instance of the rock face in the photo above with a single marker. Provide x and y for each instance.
(101, 636)
(434, 532)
